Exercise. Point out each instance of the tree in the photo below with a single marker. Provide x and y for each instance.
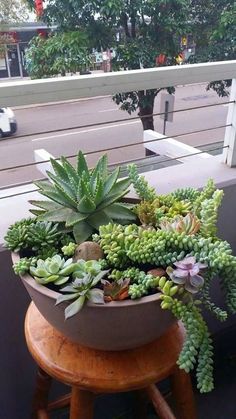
(217, 40)
(148, 28)
(204, 16)
(149, 35)
(13, 11)
(60, 53)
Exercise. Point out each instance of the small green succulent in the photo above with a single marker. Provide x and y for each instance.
(47, 252)
(82, 267)
(17, 236)
(43, 234)
(82, 289)
(23, 265)
(54, 269)
(83, 199)
(69, 249)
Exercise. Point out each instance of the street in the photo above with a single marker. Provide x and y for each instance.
(35, 124)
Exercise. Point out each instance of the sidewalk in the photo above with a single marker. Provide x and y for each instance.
(13, 79)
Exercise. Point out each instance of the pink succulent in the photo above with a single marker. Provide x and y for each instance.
(187, 274)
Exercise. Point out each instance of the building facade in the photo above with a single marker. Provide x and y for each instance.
(13, 43)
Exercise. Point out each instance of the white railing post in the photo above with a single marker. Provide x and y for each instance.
(41, 156)
(172, 148)
(229, 153)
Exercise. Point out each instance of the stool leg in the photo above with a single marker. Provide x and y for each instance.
(40, 398)
(81, 405)
(160, 405)
(183, 394)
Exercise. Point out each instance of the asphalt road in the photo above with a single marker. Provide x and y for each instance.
(66, 138)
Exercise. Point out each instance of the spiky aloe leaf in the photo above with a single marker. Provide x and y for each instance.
(86, 205)
(98, 191)
(81, 196)
(46, 205)
(101, 168)
(71, 173)
(110, 200)
(119, 212)
(58, 216)
(64, 188)
(110, 182)
(37, 212)
(120, 186)
(82, 167)
(98, 219)
(84, 189)
(82, 231)
(75, 218)
(59, 170)
(55, 196)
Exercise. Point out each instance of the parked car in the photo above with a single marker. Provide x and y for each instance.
(8, 125)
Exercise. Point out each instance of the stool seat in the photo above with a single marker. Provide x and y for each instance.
(97, 370)
(88, 371)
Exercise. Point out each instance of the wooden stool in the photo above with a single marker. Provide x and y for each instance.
(89, 371)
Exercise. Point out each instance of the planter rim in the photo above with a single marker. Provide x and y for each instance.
(54, 295)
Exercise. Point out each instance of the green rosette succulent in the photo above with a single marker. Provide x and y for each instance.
(17, 236)
(83, 267)
(23, 265)
(82, 288)
(43, 234)
(54, 269)
(83, 199)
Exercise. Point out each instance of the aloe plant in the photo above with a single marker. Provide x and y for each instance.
(83, 199)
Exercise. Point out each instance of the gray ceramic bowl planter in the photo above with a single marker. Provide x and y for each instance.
(117, 325)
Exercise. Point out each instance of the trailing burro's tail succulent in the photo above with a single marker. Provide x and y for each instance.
(83, 199)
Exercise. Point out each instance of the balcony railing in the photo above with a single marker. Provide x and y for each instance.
(195, 166)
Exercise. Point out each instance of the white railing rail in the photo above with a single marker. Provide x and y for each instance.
(51, 90)
(192, 172)
(66, 88)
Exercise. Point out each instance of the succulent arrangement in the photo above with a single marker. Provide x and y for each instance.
(89, 245)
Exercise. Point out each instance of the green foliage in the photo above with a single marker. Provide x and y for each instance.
(189, 194)
(146, 30)
(54, 269)
(206, 193)
(43, 234)
(175, 252)
(220, 314)
(82, 288)
(23, 265)
(13, 11)
(83, 199)
(213, 28)
(17, 235)
(44, 238)
(209, 214)
(60, 53)
(91, 267)
(198, 344)
(69, 249)
(111, 239)
(141, 186)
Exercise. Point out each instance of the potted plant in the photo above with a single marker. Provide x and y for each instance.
(114, 275)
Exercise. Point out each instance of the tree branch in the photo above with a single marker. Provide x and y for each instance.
(124, 23)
